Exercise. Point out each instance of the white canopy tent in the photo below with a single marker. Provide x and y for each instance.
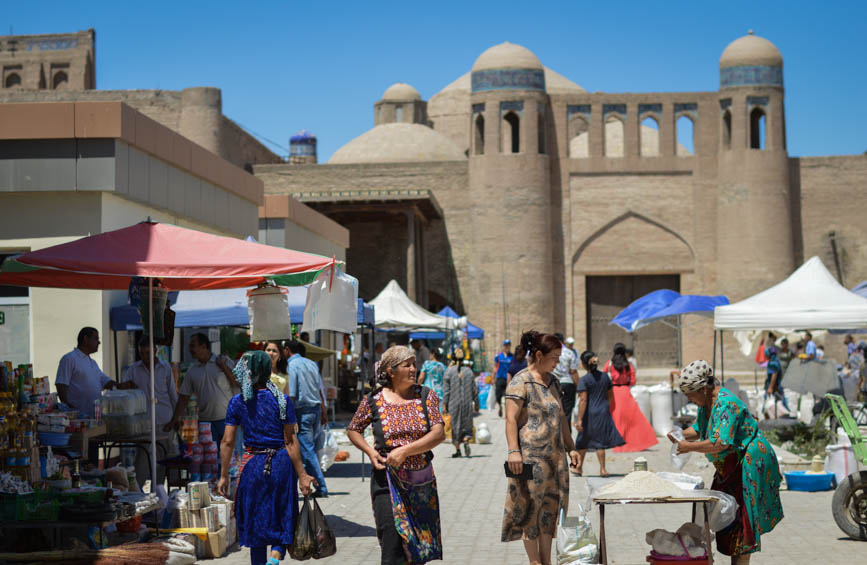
(393, 310)
(809, 299)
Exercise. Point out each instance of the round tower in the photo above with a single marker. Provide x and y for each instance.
(509, 193)
(401, 103)
(754, 219)
(201, 117)
(302, 148)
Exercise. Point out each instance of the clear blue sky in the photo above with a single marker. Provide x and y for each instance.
(286, 66)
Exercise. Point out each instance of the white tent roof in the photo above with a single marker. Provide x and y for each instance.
(809, 299)
(394, 310)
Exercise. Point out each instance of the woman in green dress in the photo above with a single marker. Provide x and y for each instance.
(746, 465)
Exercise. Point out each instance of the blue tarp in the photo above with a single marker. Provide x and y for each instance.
(861, 289)
(223, 307)
(473, 332)
(663, 303)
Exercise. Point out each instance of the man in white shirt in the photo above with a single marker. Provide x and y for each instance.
(79, 379)
(566, 372)
(166, 394)
(210, 378)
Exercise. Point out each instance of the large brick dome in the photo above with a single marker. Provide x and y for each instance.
(751, 50)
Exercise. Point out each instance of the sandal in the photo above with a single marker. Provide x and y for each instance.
(456, 454)
(467, 449)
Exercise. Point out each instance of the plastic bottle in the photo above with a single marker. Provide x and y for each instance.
(76, 477)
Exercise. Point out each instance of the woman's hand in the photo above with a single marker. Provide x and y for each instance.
(516, 462)
(378, 461)
(306, 483)
(223, 487)
(579, 425)
(396, 457)
(574, 459)
(684, 447)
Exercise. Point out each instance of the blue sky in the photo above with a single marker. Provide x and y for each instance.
(286, 66)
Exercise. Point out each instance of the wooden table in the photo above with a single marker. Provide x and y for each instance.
(694, 500)
(78, 441)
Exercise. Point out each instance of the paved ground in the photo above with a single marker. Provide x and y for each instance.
(472, 492)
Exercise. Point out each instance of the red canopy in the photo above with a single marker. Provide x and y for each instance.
(183, 259)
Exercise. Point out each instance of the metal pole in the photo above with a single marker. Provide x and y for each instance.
(153, 393)
(722, 355)
(714, 351)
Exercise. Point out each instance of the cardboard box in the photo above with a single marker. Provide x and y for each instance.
(216, 544)
(231, 533)
(225, 513)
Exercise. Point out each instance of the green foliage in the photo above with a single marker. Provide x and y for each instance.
(801, 439)
(234, 342)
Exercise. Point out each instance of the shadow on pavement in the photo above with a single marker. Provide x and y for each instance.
(343, 528)
(347, 470)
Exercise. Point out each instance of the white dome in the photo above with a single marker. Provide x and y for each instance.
(398, 143)
(400, 91)
(507, 56)
(751, 50)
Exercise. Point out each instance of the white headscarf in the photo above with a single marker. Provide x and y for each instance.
(696, 376)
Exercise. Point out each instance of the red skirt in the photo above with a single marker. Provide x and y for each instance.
(631, 423)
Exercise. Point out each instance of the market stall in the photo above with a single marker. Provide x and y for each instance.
(152, 256)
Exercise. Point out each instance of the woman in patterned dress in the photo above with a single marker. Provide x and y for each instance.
(407, 427)
(537, 433)
(432, 372)
(746, 465)
(460, 392)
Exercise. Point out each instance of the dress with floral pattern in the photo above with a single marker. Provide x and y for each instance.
(747, 469)
(433, 376)
(402, 423)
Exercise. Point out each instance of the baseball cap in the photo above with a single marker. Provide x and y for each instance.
(507, 342)
(570, 340)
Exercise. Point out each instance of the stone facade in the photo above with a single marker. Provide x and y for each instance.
(560, 186)
(62, 61)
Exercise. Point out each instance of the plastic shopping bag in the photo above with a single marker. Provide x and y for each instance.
(303, 541)
(678, 461)
(328, 451)
(576, 542)
(268, 307)
(447, 425)
(325, 544)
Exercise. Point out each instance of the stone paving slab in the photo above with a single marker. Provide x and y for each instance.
(472, 493)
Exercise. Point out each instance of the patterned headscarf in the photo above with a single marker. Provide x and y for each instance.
(393, 356)
(253, 367)
(695, 376)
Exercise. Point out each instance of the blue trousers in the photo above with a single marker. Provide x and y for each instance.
(308, 425)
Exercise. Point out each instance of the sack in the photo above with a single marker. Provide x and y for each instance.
(415, 504)
(576, 542)
(484, 434)
(328, 451)
(447, 425)
(304, 538)
(332, 302)
(268, 307)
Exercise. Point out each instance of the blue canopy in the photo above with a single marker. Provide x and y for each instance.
(861, 289)
(473, 332)
(660, 304)
(223, 307)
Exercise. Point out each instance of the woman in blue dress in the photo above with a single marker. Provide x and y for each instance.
(595, 425)
(267, 499)
(432, 372)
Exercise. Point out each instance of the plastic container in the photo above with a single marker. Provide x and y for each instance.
(661, 409)
(809, 482)
(840, 461)
(54, 439)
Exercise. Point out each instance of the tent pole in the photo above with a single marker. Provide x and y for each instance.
(116, 362)
(714, 351)
(722, 355)
(153, 394)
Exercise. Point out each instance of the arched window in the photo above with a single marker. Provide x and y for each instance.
(649, 136)
(579, 137)
(60, 80)
(12, 80)
(614, 137)
(757, 128)
(398, 113)
(727, 130)
(685, 136)
(479, 135)
(543, 131)
(511, 133)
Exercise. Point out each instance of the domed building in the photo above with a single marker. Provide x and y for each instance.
(524, 201)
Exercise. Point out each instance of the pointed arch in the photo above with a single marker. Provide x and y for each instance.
(511, 133)
(479, 135)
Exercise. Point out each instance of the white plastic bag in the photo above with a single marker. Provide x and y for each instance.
(268, 307)
(492, 397)
(678, 461)
(576, 542)
(328, 452)
(722, 512)
(332, 303)
(483, 434)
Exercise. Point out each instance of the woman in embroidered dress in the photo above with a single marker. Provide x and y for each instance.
(432, 372)
(267, 498)
(746, 465)
(628, 419)
(537, 433)
(407, 425)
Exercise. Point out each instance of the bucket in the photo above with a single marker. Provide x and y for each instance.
(840, 460)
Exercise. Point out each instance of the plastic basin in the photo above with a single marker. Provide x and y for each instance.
(809, 482)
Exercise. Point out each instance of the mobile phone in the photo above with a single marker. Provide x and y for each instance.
(526, 472)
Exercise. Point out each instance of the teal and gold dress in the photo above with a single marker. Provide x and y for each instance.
(747, 469)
